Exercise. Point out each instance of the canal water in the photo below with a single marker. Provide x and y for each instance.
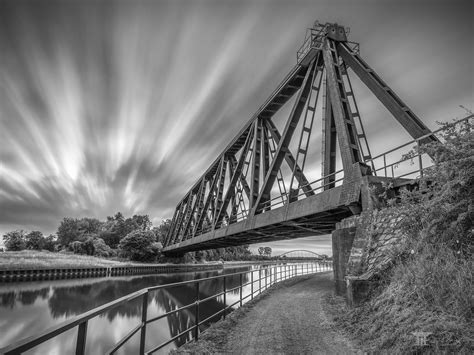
(28, 308)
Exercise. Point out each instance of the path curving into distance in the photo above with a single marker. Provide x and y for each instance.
(289, 320)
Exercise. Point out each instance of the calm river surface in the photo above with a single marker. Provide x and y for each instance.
(28, 308)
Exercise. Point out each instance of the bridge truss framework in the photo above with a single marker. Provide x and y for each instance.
(245, 196)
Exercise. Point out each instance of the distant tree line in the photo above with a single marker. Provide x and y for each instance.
(133, 238)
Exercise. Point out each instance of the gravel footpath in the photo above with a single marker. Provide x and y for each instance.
(289, 320)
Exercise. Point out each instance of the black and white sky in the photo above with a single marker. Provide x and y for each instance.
(110, 106)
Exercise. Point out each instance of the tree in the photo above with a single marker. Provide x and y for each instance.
(268, 251)
(89, 225)
(15, 241)
(140, 246)
(142, 221)
(265, 251)
(35, 240)
(69, 231)
(49, 242)
(74, 229)
(162, 230)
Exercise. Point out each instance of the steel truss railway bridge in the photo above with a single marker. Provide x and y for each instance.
(260, 188)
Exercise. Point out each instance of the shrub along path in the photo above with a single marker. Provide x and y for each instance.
(290, 319)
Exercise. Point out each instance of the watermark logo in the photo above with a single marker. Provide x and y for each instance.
(421, 338)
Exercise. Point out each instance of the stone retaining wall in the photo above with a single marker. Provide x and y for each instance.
(367, 245)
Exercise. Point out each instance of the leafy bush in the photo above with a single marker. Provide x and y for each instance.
(101, 249)
(77, 247)
(140, 245)
(15, 241)
(92, 246)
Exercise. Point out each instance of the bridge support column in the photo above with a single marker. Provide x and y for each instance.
(342, 240)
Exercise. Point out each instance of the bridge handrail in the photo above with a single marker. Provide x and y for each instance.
(273, 275)
(409, 157)
(416, 140)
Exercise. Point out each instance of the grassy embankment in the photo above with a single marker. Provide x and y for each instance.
(430, 286)
(29, 259)
(32, 259)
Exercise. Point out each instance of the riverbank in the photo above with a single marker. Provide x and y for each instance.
(42, 265)
(291, 318)
(31, 259)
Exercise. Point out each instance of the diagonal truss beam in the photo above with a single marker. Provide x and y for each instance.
(255, 173)
(245, 185)
(199, 197)
(402, 113)
(285, 139)
(290, 160)
(233, 181)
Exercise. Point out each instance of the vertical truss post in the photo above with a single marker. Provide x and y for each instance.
(329, 145)
(340, 107)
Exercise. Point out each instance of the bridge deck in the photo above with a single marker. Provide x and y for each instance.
(314, 215)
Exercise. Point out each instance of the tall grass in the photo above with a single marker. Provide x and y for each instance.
(430, 287)
(29, 259)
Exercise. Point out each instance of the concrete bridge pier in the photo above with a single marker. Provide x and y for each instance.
(362, 244)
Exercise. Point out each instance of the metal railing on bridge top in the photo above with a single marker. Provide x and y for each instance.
(260, 280)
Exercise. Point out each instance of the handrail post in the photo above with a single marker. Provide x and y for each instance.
(144, 317)
(241, 283)
(251, 285)
(259, 281)
(225, 297)
(385, 164)
(420, 160)
(196, 330)
(81, 338)
(266, 277)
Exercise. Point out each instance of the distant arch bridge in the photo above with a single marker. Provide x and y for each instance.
(301, 254)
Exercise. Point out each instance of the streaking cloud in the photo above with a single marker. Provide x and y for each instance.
(121, 105)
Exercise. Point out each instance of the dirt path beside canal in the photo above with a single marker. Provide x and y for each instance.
(291, 319)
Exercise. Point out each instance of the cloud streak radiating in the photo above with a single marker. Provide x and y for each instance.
(112, 106)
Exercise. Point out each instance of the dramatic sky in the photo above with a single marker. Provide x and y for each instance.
(110, 106)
